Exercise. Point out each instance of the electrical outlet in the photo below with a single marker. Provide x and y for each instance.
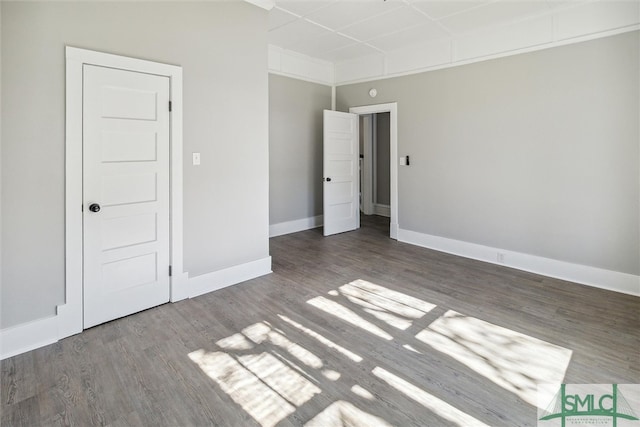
(500, 258)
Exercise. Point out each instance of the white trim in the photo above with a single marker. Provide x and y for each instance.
(39, 333)
(456, 63)
(299, 77)
(210, 282)
(69, 315)
(264, 4)
(374, 160)
(299, 66)
(591, 276)
(333, 97)
(382, 210)
(392, 109)
(294, 226)
(366, 186)
(28, 336)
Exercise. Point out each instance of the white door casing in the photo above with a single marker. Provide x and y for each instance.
(340, 169)
(392, 109)
(69, 315)
(367, 164)
(126, 175)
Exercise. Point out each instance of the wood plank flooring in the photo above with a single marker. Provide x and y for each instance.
(354, 329)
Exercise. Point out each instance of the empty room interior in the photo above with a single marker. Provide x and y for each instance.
(320, 213)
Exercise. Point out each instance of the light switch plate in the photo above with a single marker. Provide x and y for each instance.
(196, 159)
(403, 161)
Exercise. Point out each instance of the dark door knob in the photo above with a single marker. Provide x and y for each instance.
(94, 207)
(328, 179)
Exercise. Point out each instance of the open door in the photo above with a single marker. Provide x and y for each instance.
(341, 174)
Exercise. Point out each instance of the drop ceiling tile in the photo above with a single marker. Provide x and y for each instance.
(422, 33)
(594, 17)
(278, 18)
(302, 7)
(294, 33)
(557, 4)
(497, 13)
(323, 43)
(343, 13)
(349, 52)
(438, 9)
(399, 18)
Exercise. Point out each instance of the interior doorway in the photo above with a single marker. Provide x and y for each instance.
(378, 162)
(375, 175)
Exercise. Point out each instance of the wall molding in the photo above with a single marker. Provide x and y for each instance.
(296, 225)
(582, 274)
(382, 210)
(219, 279)
(298, 66)
(263, 4)
(571, 24)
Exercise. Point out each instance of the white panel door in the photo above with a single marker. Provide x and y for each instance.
(125, 192)
(341, 175)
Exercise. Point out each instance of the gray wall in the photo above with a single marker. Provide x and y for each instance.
(222, 47)
(383, 186)
(536, 153)
(295, 147)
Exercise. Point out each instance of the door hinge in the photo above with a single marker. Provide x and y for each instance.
(169, 105)
(169, 271)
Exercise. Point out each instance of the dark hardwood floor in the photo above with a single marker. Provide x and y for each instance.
(354, 329)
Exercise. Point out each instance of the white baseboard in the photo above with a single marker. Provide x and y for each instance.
(295, 226)
(591, 276)
(39, 333)
(382, 210)
(210, 282)
(28, 336)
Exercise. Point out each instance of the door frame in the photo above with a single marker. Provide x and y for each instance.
(71, 312)
(367, 134)
(392, 109)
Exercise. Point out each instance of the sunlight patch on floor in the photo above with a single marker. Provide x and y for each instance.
(235, 342)
(345, 414)
(262, 332)
(386, 299)
(362, 392)
(260, 401)
(394, 308)
(327, 342)
(280, 377)
(331, 374)
(411, 348)
(512, 360)
(389, 319)
(429, 401)
(347, 315)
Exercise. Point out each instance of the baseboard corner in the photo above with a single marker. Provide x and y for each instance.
(220, 279)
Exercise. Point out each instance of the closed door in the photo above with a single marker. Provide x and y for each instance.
(341, 176)
(125, 192)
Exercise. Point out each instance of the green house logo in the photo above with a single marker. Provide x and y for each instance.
(587, 404)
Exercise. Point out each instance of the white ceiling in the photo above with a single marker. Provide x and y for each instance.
(336, 30)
